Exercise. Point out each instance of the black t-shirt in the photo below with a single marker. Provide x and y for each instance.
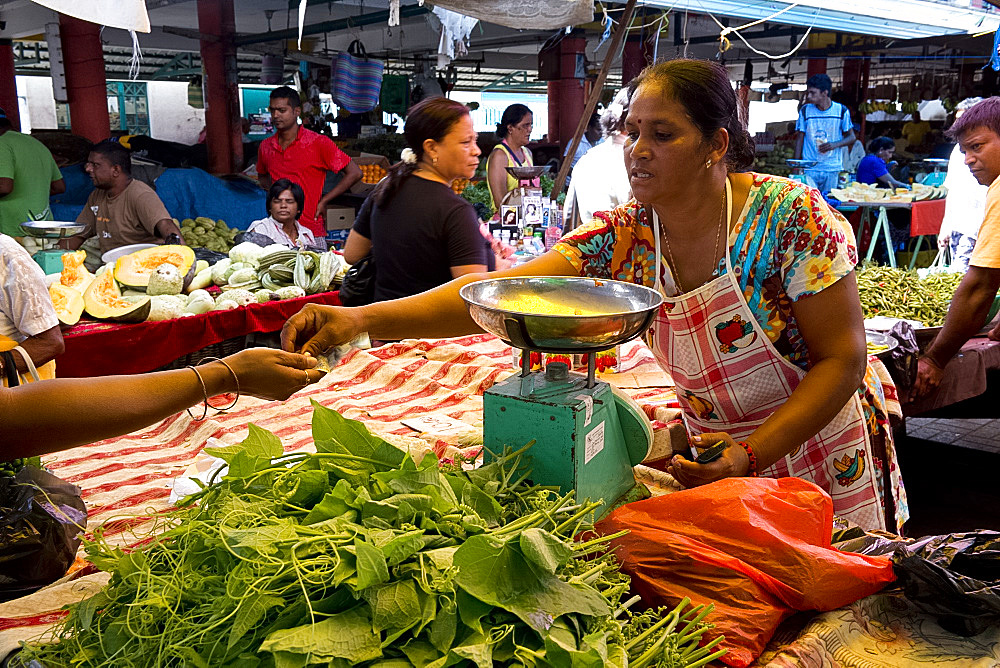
(420, 233)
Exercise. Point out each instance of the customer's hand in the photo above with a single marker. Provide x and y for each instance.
(268, 373)
(734, 462)
(943, 240)
(315, 329)
(929, 376)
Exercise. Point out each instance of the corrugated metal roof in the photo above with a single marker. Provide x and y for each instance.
(904, 19)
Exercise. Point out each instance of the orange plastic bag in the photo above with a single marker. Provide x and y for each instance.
(758, 548)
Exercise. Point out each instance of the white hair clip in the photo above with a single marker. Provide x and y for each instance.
(408, 156)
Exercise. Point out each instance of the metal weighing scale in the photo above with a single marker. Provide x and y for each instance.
(587, 435)
(798, 169)
(935, 178)
(50, 257)
(524, 176)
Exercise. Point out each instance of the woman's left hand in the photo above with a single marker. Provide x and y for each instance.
(733, 462)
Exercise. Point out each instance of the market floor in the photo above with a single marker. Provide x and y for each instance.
(950, 468)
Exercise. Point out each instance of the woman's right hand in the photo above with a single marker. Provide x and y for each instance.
(315, 329)
(268, 373)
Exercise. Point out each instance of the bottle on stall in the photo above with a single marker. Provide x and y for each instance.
(554, 231)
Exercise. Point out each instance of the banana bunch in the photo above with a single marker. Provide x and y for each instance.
(311, 271)
(870, 107)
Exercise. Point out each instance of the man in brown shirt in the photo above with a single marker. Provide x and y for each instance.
(120, 211)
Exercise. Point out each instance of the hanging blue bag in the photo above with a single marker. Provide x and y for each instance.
(357, 79)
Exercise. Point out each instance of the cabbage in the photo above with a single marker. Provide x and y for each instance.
(219, 271)
(246, 252)
(199, 302)
(243, 277)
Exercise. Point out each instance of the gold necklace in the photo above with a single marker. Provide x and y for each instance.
(715, 256)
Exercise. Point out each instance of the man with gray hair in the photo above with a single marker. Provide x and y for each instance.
(600, 181)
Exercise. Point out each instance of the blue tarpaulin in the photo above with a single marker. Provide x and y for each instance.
(187, 193)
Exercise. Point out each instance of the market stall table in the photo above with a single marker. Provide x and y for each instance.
(102, 349)
(127, 481)
(925, 219)
(964, 377)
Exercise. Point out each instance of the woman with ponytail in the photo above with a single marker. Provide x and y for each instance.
(761, 328)
(419, 231)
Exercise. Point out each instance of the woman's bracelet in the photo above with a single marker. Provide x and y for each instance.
(235, 380)
(204, 391)
(752, 469)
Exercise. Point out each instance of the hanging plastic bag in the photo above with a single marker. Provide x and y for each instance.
(940, 264)
(42, 519)
(956, 577)
(358, 286)
(356, 79)
(758, 548)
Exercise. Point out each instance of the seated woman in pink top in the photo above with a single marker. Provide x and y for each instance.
(285, 199)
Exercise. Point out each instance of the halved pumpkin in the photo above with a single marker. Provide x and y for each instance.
(133, 270)
(103, 300)
(68, 302)
(74, 274)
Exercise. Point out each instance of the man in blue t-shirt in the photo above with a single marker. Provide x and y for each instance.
(874, 169)
(824, 127)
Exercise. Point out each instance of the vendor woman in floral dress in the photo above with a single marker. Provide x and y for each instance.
(761, 329)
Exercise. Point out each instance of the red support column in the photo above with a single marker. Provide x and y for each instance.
(570, 87)
(8, 86)
(815, 66)
(86, 85)
(552, 88)
(223, 136)
(636, 55)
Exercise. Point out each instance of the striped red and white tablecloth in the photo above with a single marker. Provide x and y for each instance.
(127, 480)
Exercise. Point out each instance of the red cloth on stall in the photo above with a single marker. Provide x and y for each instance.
(105, 349)
(926, 217)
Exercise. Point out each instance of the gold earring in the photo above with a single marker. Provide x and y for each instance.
(708, 165)
(434, 160)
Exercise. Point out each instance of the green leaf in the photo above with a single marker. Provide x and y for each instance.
(471, 610)
(424, 479)
(348, 635)
(258, 443)
(338, 502)
(303, 488)
(371, 566)
(484, 504)
(290, 660)
(562, 647)
(262, 539)
(330, 426)
(476, 648)
(543, 550)
(399, 548)
(395, 605)
(497, 572)
(250, 611)
(443, 629)
(420, 653)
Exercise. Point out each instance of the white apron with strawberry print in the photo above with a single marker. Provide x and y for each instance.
(730, 378)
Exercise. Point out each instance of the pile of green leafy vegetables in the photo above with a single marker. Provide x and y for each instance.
(360, 555)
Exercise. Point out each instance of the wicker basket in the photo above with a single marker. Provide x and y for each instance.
(220, 349)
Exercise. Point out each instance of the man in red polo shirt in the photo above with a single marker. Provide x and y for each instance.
(303, 156)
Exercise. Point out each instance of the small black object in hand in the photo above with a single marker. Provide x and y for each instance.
(712, 453)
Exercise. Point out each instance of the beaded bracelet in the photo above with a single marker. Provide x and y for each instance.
(752, 469)
(204, 391)
(236, 379)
